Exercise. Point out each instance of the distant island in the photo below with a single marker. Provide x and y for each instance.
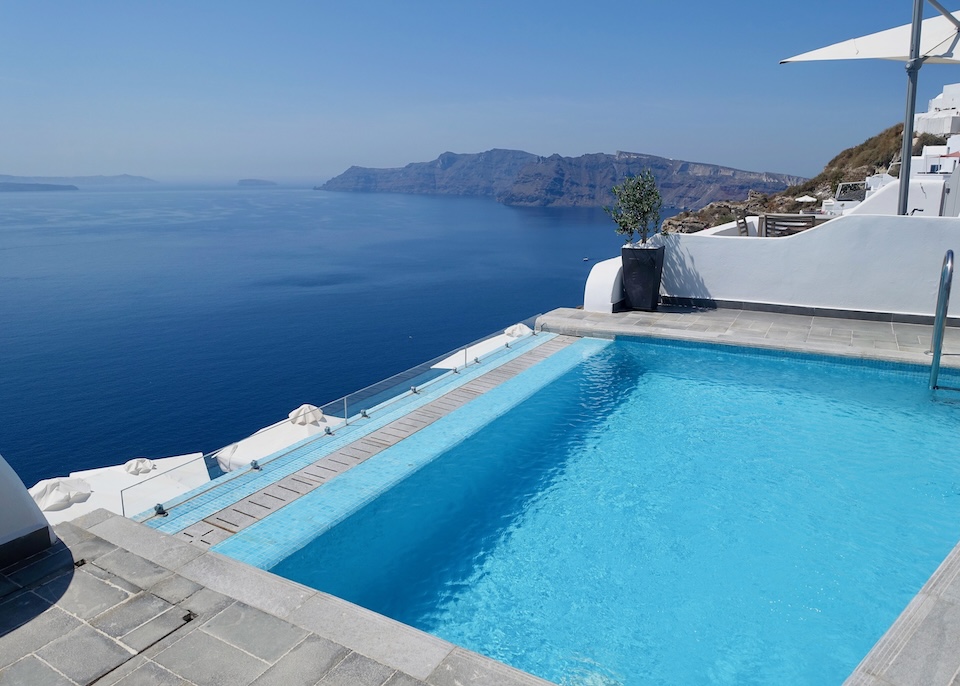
(515, 177)
(255, 182)
(119, 180)
(7, 187)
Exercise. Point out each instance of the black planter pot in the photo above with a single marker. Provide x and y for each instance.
(642, 268)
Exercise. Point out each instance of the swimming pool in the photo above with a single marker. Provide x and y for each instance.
(667, 513)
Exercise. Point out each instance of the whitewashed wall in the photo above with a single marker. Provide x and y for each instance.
(857, 262)
(926, 197)
(19, 514)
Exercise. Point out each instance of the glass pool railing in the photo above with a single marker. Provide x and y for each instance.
(162, 492)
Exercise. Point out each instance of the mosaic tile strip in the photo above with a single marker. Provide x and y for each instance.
(250, 510)
(223, 492)
(238, 503)
(267, 542)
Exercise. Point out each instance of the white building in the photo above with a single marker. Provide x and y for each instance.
(942, 117)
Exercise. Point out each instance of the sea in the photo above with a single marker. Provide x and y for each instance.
(163, 321)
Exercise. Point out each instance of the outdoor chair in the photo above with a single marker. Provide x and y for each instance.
(777, 225)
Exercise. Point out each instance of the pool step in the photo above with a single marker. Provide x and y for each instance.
(251, 509)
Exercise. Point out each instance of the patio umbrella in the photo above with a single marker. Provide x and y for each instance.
(306, 414)
(806, 198)
(59, 493)
(935, 40)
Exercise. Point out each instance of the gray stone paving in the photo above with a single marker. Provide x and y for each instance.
(142, 608)
(845, 337)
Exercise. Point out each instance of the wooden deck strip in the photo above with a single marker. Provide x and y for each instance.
(380, 436)
(298, 486)
(427, 414)
(411, 423)
(334, 466)
(204, 534)
(279, 492)
(313, 473)
(253, 508)
(353, 453)
(483, 386)
(231, 520)
(373, 444)
(357, 447)
(267, 501)
(449, 406)
(250, 509)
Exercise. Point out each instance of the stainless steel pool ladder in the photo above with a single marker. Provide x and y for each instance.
(943, 302)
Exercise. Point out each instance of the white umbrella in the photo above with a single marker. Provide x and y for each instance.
(518, 330)
(939, 44)
(935, 40)
(306, 414)
(138, 466)
(806, 198)
(60, 493)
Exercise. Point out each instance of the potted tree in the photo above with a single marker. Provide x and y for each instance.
(637, 211)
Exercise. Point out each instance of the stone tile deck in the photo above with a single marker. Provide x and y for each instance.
(877, 340)
(118, 603)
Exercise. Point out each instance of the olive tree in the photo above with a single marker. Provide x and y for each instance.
(638, 206)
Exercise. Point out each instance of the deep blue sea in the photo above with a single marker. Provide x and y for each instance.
(164, 321)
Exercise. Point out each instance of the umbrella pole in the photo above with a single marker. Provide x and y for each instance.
(913, 66)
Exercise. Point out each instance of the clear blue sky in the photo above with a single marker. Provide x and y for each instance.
(302, 90)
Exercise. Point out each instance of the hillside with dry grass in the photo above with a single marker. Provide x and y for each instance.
(873, 156)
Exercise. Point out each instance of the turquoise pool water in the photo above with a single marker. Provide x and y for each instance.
(668, 513)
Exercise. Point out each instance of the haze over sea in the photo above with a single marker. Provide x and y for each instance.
(159, 322)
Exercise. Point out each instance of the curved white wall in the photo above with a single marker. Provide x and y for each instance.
(604, 287)
(19, 515)
(855, 262)
(926, 197)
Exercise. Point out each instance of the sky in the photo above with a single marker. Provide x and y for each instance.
(300, 91)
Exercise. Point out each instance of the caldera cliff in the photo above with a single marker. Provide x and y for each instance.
(514, 177)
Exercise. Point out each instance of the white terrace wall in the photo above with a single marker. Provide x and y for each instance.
(860, 262)
(23, 528)
(857, 262)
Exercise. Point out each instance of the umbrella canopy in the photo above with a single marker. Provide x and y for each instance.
(306, 414)
(60, 493)
(939, 44)
(933, 40)
(806, 198)
(138, 466)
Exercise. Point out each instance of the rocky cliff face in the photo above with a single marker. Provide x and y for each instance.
(486, 174)
(520, 178)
